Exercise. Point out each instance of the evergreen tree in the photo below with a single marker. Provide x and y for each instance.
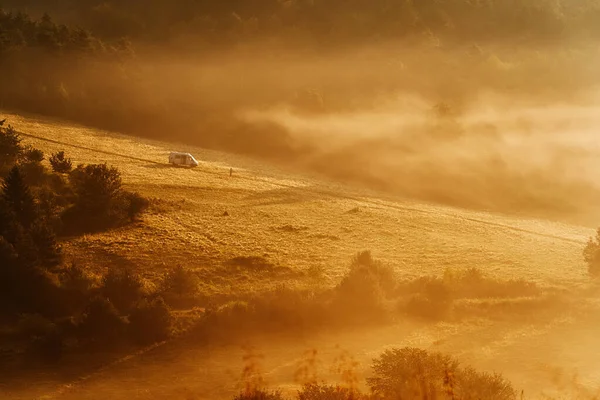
(8, 256)
(18, 197)
(8, 262)
(7, 220)
(27, 252)
(49, 252)
(60, 163)
(31, 166)
(10, 146)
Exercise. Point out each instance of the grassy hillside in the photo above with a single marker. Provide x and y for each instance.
(295, 221)
(304, 229)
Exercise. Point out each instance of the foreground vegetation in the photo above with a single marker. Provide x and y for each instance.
(404, 373)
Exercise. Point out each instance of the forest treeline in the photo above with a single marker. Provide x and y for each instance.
(153, 69)
(324, 21)
(67, 71)
(51, 67)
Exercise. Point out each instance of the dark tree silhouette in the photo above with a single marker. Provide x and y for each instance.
(101, 320)
(122, 287)
(10, 147)
(32, 155)
(31, 166)
(18, 198)
(60, 163)
(7, 220)
(135, 204)
(8, 256)
(99, 200)
(150, 321)
(48, 250)
(97, 187)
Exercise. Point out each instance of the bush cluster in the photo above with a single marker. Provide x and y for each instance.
(415, 373)
(368, 293)
(86, 198)
(36, 207)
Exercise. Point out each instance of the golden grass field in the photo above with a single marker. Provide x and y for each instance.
(305, 222)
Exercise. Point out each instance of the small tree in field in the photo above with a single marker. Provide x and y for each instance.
(97, 187)
(135, 204)
(31, 165)
(100, 200)
(122, 287)
(150, 321)
(60, 163)
(32, 155)
(591, 255)
(180, 281)
(101, 320)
